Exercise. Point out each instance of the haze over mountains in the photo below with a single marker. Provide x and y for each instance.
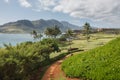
(26, 26)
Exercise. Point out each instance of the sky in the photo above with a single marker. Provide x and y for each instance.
(99, 13)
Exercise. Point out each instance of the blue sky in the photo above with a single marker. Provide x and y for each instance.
(99, 13)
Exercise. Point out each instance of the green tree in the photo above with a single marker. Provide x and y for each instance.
(36, 35)
(48, 32)
(50, 45)
(87, 28)
(53, 31)
(56, 31)
(69, 35)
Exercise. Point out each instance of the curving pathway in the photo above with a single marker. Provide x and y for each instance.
(54, 72)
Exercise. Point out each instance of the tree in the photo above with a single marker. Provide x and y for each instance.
(39, 36)
(56, 31)
(87, 30)
(36, 35)
(48, 32)
(69, 35)
(49, 46)
(53, 31)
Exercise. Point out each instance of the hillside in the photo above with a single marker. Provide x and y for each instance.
(102, 63)
(26, 26)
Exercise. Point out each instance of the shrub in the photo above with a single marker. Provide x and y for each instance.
(22, 62)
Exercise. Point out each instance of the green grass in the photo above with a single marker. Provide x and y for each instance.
(83, 44)
(101, 63)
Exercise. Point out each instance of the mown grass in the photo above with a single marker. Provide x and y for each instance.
(82, 44)
(101, 63)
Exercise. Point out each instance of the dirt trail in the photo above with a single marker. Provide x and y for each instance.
(54, 72)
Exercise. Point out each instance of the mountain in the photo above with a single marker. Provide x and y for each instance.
(26, 26)
(71, 26)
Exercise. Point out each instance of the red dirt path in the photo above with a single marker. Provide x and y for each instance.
(54, 72)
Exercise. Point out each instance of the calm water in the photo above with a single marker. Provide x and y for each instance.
(14, 38)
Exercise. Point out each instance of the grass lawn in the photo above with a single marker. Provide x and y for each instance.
(95, 41)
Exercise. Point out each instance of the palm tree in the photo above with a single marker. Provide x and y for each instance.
(36, 35)
(87, 30)
(69, 34)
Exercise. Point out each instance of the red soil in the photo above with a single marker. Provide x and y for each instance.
(54, 72)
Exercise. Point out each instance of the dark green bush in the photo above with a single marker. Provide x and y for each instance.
(62, 38)
(22, 62)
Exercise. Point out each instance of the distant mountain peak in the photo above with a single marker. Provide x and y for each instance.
(27, 26)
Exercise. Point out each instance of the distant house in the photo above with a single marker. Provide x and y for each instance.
(109, 30)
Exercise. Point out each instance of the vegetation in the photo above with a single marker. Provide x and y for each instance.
(23, 61)
(36, 35)
(87, 30)
(53, 31)
(69, 35)
(102, 63)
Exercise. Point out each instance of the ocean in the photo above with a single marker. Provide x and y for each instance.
(14, 38)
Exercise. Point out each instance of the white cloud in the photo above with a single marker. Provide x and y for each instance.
(97, 10)
(7, 1)
(46, 4)
(25, 3)
(106, 10)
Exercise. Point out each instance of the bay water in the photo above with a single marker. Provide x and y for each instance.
(14, 38)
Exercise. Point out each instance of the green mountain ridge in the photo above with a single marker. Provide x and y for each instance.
(26, 26)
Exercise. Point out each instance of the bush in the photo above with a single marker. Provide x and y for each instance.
(62, 38)
(102, 63)
(22, 62)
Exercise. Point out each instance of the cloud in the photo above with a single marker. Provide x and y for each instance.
(97, 10)
(93, 9)
(46, 4)
(7, 1)
(25, 3)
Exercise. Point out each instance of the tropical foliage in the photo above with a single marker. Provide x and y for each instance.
(21, 62)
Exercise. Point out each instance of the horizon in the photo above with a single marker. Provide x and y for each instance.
(65, 21)
(91, 11)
